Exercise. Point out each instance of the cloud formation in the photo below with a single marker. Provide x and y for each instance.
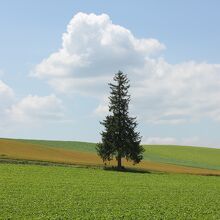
(6, 99)
(31, 108)
(93, 49)
(172, 141)
(5, 91)
(36, 108)
(178, 93)
(159, 140)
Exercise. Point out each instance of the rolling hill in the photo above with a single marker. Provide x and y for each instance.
(181, 159)
(201, 157)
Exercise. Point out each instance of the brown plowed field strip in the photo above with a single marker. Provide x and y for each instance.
(20, 150)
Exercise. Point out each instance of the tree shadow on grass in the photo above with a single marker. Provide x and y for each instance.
(127, 170)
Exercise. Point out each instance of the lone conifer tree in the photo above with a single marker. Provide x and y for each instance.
(119, 139)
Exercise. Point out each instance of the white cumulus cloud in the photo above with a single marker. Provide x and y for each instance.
(93, 49)
(186, 141)
(6, 97)
(6, 92)
(159, 140)
(36, 108)
(177, 93)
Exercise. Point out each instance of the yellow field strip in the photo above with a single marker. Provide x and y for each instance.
(20, 150)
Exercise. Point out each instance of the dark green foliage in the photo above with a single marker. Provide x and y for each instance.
(119, 139)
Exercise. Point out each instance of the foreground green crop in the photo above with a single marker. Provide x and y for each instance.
(50, 192)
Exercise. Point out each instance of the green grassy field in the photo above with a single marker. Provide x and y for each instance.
(184, 155)
(51, 192)
(69, 145)
(201, 157)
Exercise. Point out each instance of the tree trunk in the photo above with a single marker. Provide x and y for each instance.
(119, 162)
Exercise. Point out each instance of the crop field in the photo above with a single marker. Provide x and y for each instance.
(52, 192)
(68, 145)
(200, 157)
(184, 155)
(19, 150)
(23, 150)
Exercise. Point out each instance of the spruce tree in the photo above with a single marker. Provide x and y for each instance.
(119, 138)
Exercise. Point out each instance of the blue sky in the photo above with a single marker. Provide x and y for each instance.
(175, 78)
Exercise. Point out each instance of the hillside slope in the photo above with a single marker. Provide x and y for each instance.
(184, 155)
(43, 151)
(201, 157)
